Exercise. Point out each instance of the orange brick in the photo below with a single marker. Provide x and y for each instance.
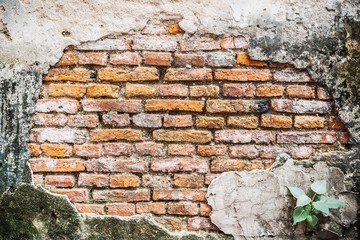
(173, 90)
(237, 106)
(178, 121)
(150, 149)
(309, 122)
(121, 195)
(56, 150)
(210, 177)
(60, 180)
(221, 165)
(227, 43)
(174, 28)
(74, 75)
(103, 90)
(185, 209)
(88, 150)
(201, 223)
(188, 181)
(276, 121)
(248, 122)
(209, 122)
(93, 180)
(125, 74)
(173, 105)
(179, 194)
(183, 60)
(34, 150)
(68, 59)
(120, 209)
(243, 74)
(140, 90)
(74, 195)
(238, 90)
(208, 91)
(181, 149)
(156, 58)
(57, 105)
(179, 165)
(243, 58)
(107, 105)
(49, 120)
(214, 150)
(108, 165)
(182, 136)
(269, 90)
(323, 94)
(153, 207)
(124, 181)
(336, 123)
(300, 91)
(205, 209)
(93, 58)
(184, 74)
(88, 121)
(126, 58)
(115, 134)
(199, 43)
(306, 137)
(90, 208)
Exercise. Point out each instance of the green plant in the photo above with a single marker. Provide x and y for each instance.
(307, 208)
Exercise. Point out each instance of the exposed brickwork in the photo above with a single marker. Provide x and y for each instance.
(143, 124)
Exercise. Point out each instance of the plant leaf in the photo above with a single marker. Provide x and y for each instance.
(296, 192)
(300, 214)
(319, 187)
(312, 220)
(321, 206)
(332, 202)
(302, 201)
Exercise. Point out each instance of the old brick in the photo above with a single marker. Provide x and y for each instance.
(209, 122)
(58, 135)
(118, 195)
(220, 59)
(181, 149)
(290, 75)
(49, 120)
(56, 150)
(156, 181)
(345, 138)
(117, 149)
(243, 58)
(179, 194)
(209, 177)
(68, 59)
(140, 90)
(300, 91)
(173, 105)
(93, 58)
(60, 180)
(199, 43)
(205, 209)
(270, 152)
(120, 44)
(128, 74)
(147, 120)
(237, 106)
(116, 120)
(154, 43)
(107, 165)
(248, 122)
(88, 121)
(182, 136)
(276, 121)
(238, 90)
(93, 180)
(106, 105)
(37, 179)
(188, 181)
(300, 106)
(174, 28)
(103, 90)
(74, 195)
(243, 74)
(171, 223)
(57, 105)
(221, 165)
(88, 150)
(227, 43)
(323, 94)
(34, 150)
(74, 75)
(186, 208)
(238, 42)
(90, 208)
(120, 209)
(179, 165)
(243, 151)
(124, 181)
(115, 134)
(173, 90)
(244, 136)
(302, 152)
(306, 137)
(150, 149)
(209, 91)
(309, 122)
(184, 60)
(269, 90)
(178, 121)
(126, 58)
(156, 58)
(152, 207)
(212, 150)
(201, 224)
(66, 90)
(185, 74)
(335, 123)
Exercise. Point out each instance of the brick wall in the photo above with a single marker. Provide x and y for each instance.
(143, 123)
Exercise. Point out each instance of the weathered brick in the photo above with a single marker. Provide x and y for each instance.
(34, 150)
(88, 121)
(270, 152)
(120, 209)
(88, 150)
(205, 209)
(117, 149)
(74, 194)
(243, 58)
(276, 121)
(302, 152)
(49, 120)
(237, 42)
(110, 74)
(118, 195)
(280, 65)
(243, 151)
(93, 180)
(181, 149)
(300, 106)
(220, 59)
(244, 136)
(323, 94)
(140, 90)
(74, 75)
(209, 177)
(116, 120)
(173, 90)
(201, 224)
(56, 150)
(66, 90)
(212, 150)
(185, 209)
(57, 165)
(58, 135)
(154, 43)
(60, 180)
(124, 181)
(179, 194)
(90, 208)
(308, 122)
(156, 58)
(209, 91)
(238, 90)
(107, 165)
(147, 120)
(93, 58)
(171, 223)
(345, 138)
(178, 121)
(243, 74)
(269, 90)
(290, 75)
(199, 43)
(300, 91)
(156, 181)
(185, 74)
(37, 179)
(126, 58)
(179, 165)
(182, 136)
(188, 181)
(237, 106)
(221, 165)
(103, 90)
(174, 28)
(57, 105)
(68, 59)
(106, 105)
(101, 135)
(155, 105)
(209, 122)
(120, 44)
(192, 60)
(153, 207)
(306, 137)
(150, 149)
(335, 123)
(248, 122)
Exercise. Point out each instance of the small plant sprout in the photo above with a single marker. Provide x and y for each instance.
(307, 208)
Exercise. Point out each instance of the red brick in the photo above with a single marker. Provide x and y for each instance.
(120, 209)
(102, 135)
(243, 58)
(248, 122)
(209, 151)
(306, 137)
(178, 121)
(147, 120)
(345, 138)
(93, 58)
(156, 58)
(276, 121)
(269, 90)
(185, 209)
(270, 152)
(222, 165)
(243, 74)
(121, 195)
(66, 90)
(193, 60)
(56, 150)
(300, 91)
(125, 74)
(323, 94)
(57, 105)
(244, 136)
(205, 209)
(34, 150)
(88, 150)
(179, 165)
(309, 122)
(209, 91)
(150, 149)
(140, 90)
(335, 123)
(179, 194)
(106, 105)
(74, 75)
(300, 106)
(182, 136)
(124, 181)
(93, 180)
(107, 165)
(117, 149)
(236, 106)
(126, 58)
(210, 177)
(199, 43)
(116, 120)
(243, 151)
(155, 43)
(90, 208)
(57, 165)
(49, 120)
(302, 152)
(60, 180)
(220, 59)
(173, 90)
(188, 181)
(58, 135)
(201, 224)
(152, 207)
(156, 105)
(103, 90)
(74, 195)
(68, 59)
(290, 75)
(120, 44)
(185, 74)
(181, 149)
(238, 90)
(88, 121)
